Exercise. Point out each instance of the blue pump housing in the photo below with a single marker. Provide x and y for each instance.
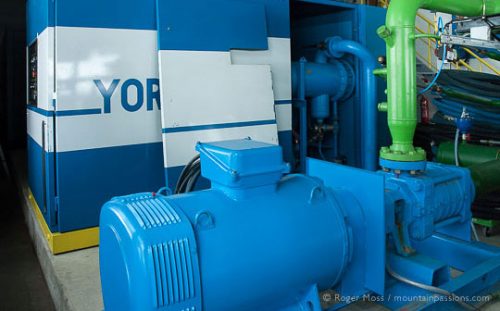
(260, 241)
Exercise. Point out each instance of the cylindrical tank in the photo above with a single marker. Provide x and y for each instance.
(468, 154)
(335, 78)
(486, 177)
(249, 243)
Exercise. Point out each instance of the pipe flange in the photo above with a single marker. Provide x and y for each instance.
(414, 168)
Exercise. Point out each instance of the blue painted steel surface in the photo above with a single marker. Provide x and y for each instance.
(116, 14)
(320, 104)
(480, 264)
(332, 226)
(41, 179)
(286, 142)
(40, 14)
(102, 173)
(99, 171)
(329, 79)
(221, 25)
(403, 166)
(351, 22)
(369, 224)
(250, 231)
(337, 47)
(243, 26)
(90, 13)
(440, 196)
(217, 126)
(334, 79)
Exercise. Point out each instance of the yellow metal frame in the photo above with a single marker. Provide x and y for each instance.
(64, 242)
(482, 61)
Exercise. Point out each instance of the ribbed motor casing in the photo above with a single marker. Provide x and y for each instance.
(135, 251)
(166, 253)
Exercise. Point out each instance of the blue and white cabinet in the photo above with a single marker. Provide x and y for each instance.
(94, 127)
(224, 74)
(94, 122)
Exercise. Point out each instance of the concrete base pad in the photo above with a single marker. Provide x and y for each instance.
(73, 278)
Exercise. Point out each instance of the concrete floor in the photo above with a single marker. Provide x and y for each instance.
(22, 285)
(74, 280)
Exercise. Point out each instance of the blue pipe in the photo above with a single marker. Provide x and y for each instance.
(335, 116)
(303, 113)
(336, 47)
(320, 108)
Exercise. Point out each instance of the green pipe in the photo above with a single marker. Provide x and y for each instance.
(468, 154)
(492, 55)
(469, 97)
(399, 35)
(426, 36)
(486, 177)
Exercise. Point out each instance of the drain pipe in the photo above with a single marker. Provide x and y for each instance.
(336, 48)
(399, 35)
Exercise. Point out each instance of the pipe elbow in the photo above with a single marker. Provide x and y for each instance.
(402, 13)
(337, 47)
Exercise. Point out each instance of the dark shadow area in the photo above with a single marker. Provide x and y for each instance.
(22, 285)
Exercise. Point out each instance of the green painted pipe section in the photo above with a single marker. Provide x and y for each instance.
(486, 177)
(493, 55)
(399, 35)
(470, 97)
(468, 154)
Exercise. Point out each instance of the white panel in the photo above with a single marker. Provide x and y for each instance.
(481, 33)
(45, 44)
(278, 57)
(284, 117)
(35, 126)
(201, 88)
(88, 54)
(107, 130)
(179, 148)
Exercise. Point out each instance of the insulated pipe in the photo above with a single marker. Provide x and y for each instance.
(468, 154)
(399, 34)
(486, 177)
(336, 47)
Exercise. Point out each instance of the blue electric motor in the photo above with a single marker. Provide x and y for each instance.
(260, 241)
(252, 242)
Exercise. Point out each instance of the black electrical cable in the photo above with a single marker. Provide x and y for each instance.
(192, 181)
(185, 172)
(189, 182)
(184, 182)
(487, 85)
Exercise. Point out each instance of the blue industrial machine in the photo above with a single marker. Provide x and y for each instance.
(264, 238)
(260, 241)
(347, 129)
(94, 127)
